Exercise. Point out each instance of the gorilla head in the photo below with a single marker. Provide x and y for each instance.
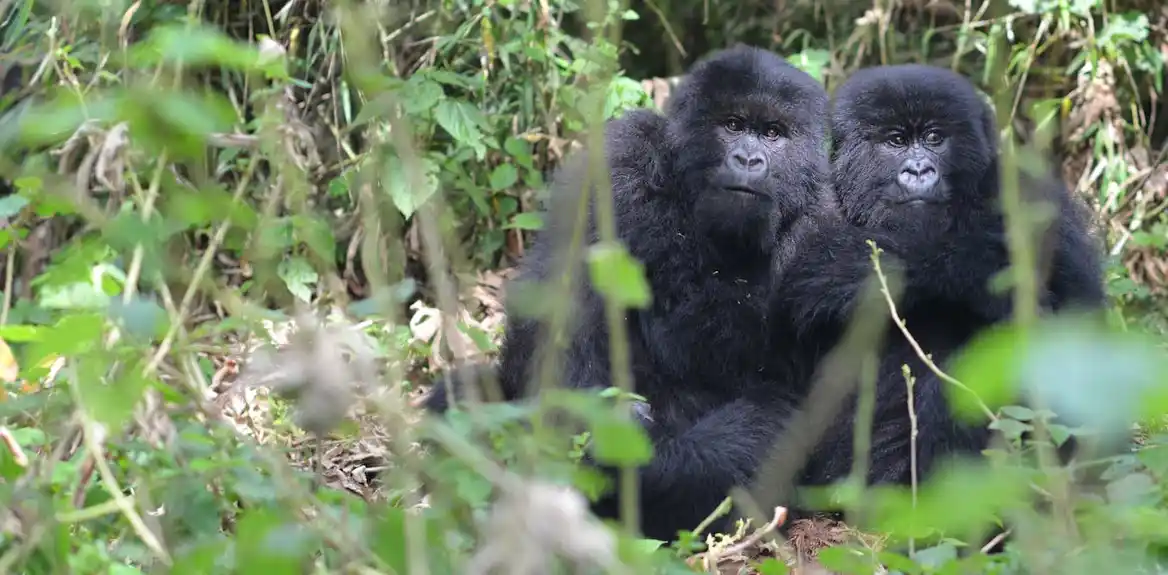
(912, 145)
(747, 134)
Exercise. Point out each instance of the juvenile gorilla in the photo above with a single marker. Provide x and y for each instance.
(916, 170)
(702, 197)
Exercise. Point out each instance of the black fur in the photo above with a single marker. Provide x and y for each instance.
(742, 117)
(947, 247)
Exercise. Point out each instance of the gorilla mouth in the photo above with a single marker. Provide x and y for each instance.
(745, 190)
(918, 201)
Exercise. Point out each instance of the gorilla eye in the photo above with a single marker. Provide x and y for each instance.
(933, 138)
(773, 132)
(897, 140)
(735, 124)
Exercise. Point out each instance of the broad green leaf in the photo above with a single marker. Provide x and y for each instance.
(317, 234)
(407, 196)
(988, 366)
(30, 437)
(59, 117)
(142, 318)
(520, 150)
(420, 95)
(620, 442)
(936, 556)
(962, 498)
(268, 542)
(503, 176)
(389, 542)
(624, 94)
(18, 333)
(78, 295)
(813, 61)
(1018, 412)
(526, 221)
(1010, 428)
(1136, 489)
(772, 566)
(1094, 377)
(201, 45)
(1129, 27)
(175, 119)
(110, 401)
(846, 559)
(11, 205)
(618, 276)
(299, 276)
(462, 120)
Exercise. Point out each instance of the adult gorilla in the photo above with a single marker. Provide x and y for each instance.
(702, 196)
(916, 170)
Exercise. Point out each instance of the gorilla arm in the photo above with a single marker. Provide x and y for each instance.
(820, 288)
(694, 468)
(1075, 278)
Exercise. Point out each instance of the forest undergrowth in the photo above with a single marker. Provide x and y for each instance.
(239, 236)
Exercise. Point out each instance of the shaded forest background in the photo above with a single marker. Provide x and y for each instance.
(185, 180)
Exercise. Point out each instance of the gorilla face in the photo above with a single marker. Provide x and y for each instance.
(748, 134)
(912, 144)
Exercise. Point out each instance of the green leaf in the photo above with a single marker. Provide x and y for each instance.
(389, 542)
(844, 559)
(176, 119)
(420, 95)
(897, 562)
(200, 45)
(503, 176)
(936, 556)
(1136, 489)
(111, 401)
(1096, 377)
(1129, 27)
(1018, 412)
(961, 498)
(1010, 428)
(13, 333)
(406, 196)
(299, 276)
(989, 366)
(620, 442)
(59, 117)
(526, 221)
(317, 234)
(266, 542)
(813, 61)
(141, 318)
(520, 150)
(462, 121)
(617, 276)
(11, 205)
(772, 566)
(1058, 433)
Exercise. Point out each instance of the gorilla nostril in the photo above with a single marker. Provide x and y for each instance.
(741, 160)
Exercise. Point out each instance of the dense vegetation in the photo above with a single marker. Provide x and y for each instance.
(188, 181)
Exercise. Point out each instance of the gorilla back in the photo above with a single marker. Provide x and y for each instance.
(916, 170)
(702, 198)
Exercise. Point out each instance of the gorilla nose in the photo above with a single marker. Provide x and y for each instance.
(917, 175)
(749, 162)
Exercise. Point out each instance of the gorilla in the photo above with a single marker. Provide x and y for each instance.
(915, 168)
(707, 197)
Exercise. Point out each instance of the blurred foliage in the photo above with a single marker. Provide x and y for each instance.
(185, 180)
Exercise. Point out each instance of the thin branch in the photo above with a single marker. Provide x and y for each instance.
(900, 324)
